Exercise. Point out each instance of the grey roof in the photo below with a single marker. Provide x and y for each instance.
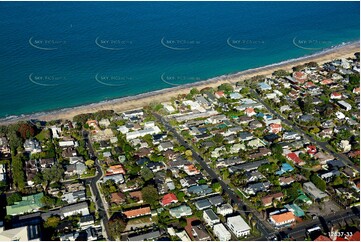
(73, 207)
(211, 214)
(202, 204)
(215, 200)
(86, 218)
(146, 236)
(248, 166)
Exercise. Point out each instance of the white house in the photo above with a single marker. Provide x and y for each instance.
(55, 132)
(78, 208)
(32, 146)
(104, 123)
(123, 129)
(345, 105)
(141, 133)
(210, 217)
(238, 226)
(221, 232)
(68, 143)
(225, 209)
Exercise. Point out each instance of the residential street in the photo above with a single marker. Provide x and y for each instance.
(340, 157)
(264, 227)
(93, 183)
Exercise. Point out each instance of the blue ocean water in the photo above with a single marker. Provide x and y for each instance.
(62, 54)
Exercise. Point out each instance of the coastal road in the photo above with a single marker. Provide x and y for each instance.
(340, 157)
(265, 228)
(93, 184)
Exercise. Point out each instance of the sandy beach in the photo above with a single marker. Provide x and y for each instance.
(133, 102)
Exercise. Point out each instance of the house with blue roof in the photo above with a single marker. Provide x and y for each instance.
(199, 190)
(284, 169)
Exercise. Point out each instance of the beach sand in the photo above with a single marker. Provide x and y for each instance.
(138, 101)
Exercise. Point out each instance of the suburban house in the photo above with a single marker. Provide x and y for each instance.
(268, 200)
(202, 204)
(169, 199)
(180, 211)
(295, 159)
(253, 189)
(345, 105)
(32, 146)
(133, 213)
(31, 203)
(313, 191)
(238, 226)
(225, 209)
(221, 232)
(281, 219)
(210, 217)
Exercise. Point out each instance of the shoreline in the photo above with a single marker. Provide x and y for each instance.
(163, 95)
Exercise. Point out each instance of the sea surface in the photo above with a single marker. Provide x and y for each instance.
(56, 55)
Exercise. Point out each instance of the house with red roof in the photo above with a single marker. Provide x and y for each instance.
(326, 82)
(311, 149)
(309, 85)
(299, 76)
(275, 128)
(219, 94)
(169, 199)
(322, 238)
(336, 95)
(283, 219)
(250, 112)
(295, 159)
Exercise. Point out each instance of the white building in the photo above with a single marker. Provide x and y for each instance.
(25, 233)
(221, 232)
(210, 217)
(123, 129)
(55, 132)
(68, 143)
(225, 209)
(32, 146)
(143, 132)
(2, 172)
(104, 123)
(238, 226)
(345, 105)
(78, 208)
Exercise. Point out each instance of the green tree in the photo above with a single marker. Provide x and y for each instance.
(194, 91)
(18, 171)
(276, 149)
(280, 73)
(146, 174)
(89, 163)
(150, 195)
(217, 187)
(188, 153)
(14, 197)
(218, 138)
(52, 222)
(116, 227)
(53, 174)
(226, 87)
(319, 183)
(48, 201)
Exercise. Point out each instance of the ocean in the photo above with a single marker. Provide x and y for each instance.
(56, 55)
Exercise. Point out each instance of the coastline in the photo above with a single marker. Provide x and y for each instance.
(163, 95)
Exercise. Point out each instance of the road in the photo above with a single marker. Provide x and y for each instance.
(340, 157)
(265, 228)
(93, 184)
